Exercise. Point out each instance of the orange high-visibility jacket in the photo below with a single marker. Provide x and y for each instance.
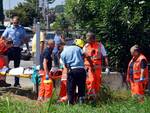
(94, 52)
(137, 69)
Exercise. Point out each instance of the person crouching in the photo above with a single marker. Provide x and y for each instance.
(63, 86)
(46, 86)
(72, 58)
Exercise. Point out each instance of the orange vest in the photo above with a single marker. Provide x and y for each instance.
(2, 61)
(137, 68)
(94, 52)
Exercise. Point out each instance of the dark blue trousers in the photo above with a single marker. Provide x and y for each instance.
(14, 54)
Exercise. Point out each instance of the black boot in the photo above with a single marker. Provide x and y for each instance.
(4, 84)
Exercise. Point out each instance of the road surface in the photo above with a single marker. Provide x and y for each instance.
(114, 81)
(24, 82)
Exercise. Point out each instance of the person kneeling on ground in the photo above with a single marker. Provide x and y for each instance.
(46, 85)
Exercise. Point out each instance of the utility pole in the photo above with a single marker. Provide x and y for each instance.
(47, 17)
(39, 4)
(44, 5)
(37, 28)
(37, 53)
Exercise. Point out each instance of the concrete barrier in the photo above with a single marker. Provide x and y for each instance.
(114, 81)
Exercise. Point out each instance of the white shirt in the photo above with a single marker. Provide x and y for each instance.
(102, 49)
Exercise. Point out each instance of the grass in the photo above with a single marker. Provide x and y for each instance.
(108, 102)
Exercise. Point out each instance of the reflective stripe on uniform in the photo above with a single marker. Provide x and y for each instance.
(95, 58)
(136, 71)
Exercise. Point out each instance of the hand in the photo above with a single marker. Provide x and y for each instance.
(47, 77)
(128, 80)
(93, 69)
(107, 71)
(142, 78)
(28, 51)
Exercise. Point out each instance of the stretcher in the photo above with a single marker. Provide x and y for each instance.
(29, 72)
(18, 72)
(32, 73)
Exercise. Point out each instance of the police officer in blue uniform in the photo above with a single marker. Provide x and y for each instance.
(17, 34)
(72, 58)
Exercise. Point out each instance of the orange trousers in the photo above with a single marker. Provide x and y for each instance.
(138, 88)
(3, 62)
(63, 91)
(93, 82)
(63, 88)
(46, 90)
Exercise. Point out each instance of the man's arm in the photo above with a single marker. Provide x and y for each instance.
(104, 53)
(5, 34)
(127, 76)
(26, 42)
(42, 46)
(143, 67)
(142, 74)
(65, 70)
(27, 45)
(42, 41)
(25, 39)
(106, 61)
(45, 61)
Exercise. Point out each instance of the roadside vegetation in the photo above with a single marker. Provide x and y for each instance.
(108, 102)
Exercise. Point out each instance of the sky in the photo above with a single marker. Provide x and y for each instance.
(10, 4)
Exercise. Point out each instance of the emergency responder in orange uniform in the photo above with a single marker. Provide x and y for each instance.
(4, 46)
(94, 51)
(46, 86)
(63, 85)
(137, 73)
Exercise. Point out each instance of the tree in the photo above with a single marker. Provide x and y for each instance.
(26, 11)
(59, 9)
(118, 23)
(128, 24)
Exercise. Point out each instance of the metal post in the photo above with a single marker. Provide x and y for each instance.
(37, 61)
(37, 54)
(47, 23)
(37, 86)
(47, 16)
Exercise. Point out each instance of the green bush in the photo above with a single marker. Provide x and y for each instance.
(119, 24)
(120, 102)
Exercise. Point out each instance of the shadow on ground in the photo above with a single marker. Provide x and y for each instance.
(28, 93)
